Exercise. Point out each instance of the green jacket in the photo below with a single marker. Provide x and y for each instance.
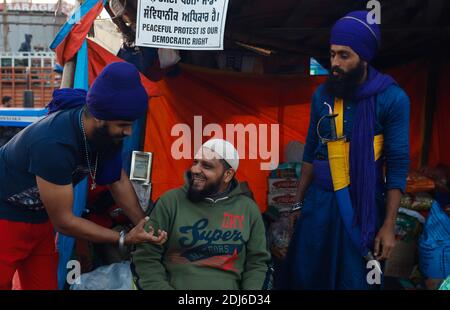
(211, 244)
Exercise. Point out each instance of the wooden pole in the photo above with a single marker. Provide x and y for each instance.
(68, 74)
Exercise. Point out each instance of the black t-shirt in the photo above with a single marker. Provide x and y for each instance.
(53, 149)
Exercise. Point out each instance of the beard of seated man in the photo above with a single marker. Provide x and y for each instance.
(211, 187)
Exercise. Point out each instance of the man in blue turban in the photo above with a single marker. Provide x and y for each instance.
(81, 136)
(374, 119)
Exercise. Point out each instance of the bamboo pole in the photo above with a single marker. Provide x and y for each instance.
(68, 74)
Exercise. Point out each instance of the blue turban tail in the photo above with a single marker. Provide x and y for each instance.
(354, 31)
(362, 161)
(66, 98)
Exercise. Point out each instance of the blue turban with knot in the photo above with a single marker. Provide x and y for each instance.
(355, 31)
(117, 94)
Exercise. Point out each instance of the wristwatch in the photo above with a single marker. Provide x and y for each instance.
(297, 206)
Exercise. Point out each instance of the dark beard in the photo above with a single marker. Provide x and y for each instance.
(197, 196)
(344, 86)
(103, 143)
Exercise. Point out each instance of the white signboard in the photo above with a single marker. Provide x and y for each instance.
(181, 24)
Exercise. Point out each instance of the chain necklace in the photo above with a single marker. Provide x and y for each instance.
(93, 174)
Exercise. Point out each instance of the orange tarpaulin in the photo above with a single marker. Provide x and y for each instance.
(222, 97)
(412, 78)
(226, 98)
(233, 98)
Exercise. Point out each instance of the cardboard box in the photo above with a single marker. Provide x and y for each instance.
(282, 201)
(283, 185)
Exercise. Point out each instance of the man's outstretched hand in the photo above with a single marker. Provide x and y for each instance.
(139, 235)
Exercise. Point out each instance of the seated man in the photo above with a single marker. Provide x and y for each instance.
(216, 233)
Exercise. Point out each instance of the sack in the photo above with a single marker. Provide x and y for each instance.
(111, 277)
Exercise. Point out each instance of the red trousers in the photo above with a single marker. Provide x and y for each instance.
(29, 250)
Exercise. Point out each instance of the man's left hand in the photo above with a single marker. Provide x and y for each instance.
(384, 242)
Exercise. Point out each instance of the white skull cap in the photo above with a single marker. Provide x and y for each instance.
(224, 150)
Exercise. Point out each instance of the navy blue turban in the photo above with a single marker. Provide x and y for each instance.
(117, 94)
(353, 30)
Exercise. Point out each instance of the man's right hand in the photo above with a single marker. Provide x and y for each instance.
(139, 235)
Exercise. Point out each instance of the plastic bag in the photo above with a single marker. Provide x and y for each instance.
(111, 277)
(280, 231)
(280, 234)
(434, 245)
(445, 286)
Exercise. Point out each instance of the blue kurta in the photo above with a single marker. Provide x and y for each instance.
(321, 254)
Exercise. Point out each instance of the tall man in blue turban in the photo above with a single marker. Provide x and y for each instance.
(82, 135)
(374, 119)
